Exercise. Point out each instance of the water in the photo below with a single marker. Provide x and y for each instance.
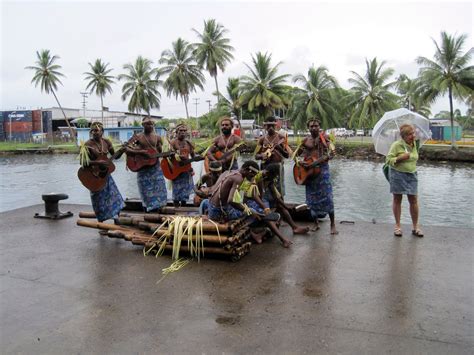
(361, 192)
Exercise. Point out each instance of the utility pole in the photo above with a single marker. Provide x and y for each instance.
(209, 102)
(196, 102)
(84, 97)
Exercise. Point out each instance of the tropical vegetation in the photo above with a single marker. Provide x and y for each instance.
(47, 75)
(100, 82)
(184, 74)
(449, 72)
(141, 85)
(265, 90)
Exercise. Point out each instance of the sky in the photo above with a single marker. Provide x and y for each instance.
(339, 35)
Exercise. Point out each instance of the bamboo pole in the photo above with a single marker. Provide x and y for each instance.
(99, 225)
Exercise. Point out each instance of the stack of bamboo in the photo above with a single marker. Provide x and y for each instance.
(179, 234)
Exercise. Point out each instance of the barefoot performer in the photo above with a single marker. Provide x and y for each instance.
(267, 182)
(222, 144)
(107, 202)
(150, 180)
(271, 148)
(183, 183)
(317, 147)
(227, 203)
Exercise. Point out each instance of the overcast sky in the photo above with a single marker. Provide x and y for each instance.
(339, 35)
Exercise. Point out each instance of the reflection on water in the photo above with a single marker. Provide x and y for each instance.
(360, 189)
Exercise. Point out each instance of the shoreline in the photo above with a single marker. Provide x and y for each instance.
(346, 150)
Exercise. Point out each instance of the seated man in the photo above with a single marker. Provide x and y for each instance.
(267, 183)
(201, 189)
(226, 203)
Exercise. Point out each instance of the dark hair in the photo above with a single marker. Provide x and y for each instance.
(226, 118)
(271, 119)
(273, 169)
(250, 163)
(314, 119)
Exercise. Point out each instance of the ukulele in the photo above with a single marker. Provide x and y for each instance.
(137, 162)
(94, 176)
(302, 173)
(172, 168)
(223, 155)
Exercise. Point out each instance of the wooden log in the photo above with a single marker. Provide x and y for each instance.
(99, 225)
(87, 214)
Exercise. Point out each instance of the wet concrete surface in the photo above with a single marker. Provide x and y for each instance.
(65, 289)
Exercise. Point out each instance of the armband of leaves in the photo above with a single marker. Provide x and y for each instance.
(84, 158)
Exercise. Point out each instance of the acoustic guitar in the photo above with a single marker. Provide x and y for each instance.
(137, 162)
(301, 174)
(223, 155)
(94, 176)
(172, 168)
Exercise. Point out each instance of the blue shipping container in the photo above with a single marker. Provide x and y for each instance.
(17, 116)
(436, 133)
(47, 121)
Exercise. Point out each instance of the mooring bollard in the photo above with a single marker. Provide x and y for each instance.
(51, 207)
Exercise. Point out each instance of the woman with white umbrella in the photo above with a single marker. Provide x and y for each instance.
(402, 159)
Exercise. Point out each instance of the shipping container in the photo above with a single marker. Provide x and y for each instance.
(36, 115)
(17, 127)
(447, 133)
(17, 116)
(47, 122)
(436, 133)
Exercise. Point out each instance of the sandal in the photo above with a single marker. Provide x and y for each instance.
(397, 232)
(417, 233)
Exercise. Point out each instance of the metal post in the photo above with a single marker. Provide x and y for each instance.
(209, 102)
(196, 102)
(84, 97)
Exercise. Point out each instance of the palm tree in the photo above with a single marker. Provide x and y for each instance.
(263, 90)
(410, 97)
(316, 98)
(214, 50)
(448, 72)
(231, 101)
(184, 75)
(47, 75)
(100, 81)
(141, 84)
(369, 96)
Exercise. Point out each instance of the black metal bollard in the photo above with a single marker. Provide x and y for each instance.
(51, 207)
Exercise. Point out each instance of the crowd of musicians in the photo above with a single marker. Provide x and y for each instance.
(227, 191)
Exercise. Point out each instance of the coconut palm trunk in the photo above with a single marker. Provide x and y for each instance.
(451, 116)
(71, 131)
(185, 99)
(102, 107)
(217, 88)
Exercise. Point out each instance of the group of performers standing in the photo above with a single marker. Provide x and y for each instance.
(225, 192)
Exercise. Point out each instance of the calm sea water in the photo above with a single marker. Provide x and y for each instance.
(361, 192)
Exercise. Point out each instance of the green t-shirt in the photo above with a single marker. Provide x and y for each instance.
(400, 147)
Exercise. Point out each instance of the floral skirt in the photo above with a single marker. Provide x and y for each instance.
(319, 193)
(152, 187)
(108, 202)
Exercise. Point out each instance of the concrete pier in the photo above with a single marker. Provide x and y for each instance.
(65, 289)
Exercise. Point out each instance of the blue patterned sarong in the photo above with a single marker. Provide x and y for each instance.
(152, 187)
(319, 193)
(107, 202)
(225, 214)
(182, 187)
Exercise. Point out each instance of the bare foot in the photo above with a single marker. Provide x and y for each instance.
(300, 230)
(333, 230)
(258, 237)
(315, 227)
(286, 243)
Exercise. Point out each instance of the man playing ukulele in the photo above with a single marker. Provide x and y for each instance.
(224, 143)
(150, 180)
(271, 148)
(318, 187)
(107, 202)
(183, 183)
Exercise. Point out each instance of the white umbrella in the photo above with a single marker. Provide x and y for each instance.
(387, 129)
